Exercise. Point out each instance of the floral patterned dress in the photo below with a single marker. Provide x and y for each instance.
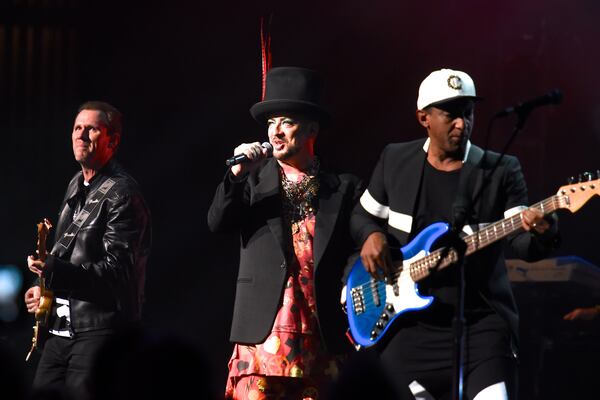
(293, 349)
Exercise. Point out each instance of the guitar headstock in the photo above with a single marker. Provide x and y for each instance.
(43, 229)
(588, 185)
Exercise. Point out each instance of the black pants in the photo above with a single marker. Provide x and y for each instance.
(66, 363)
(439, 383)
(425, 353)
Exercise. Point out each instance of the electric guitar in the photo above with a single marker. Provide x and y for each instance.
(372, 305)
(46, 297)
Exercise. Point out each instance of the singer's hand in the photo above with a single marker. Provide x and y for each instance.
(32, 299)
(376, 253)
(254, 151)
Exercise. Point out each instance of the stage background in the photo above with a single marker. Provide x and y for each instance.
(184, 74)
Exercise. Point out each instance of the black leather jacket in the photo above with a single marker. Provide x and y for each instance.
(102, 273)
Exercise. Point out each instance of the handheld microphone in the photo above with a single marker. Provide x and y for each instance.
(240, 158)
(553, 97)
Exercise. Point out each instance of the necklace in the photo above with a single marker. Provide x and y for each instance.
(300, 198)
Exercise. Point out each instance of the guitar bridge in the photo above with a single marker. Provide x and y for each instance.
(358, 300)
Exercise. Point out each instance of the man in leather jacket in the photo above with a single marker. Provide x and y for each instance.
(96, 269)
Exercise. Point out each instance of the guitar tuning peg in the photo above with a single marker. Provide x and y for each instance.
(588, 176)
(571, 180)
(598, 174)
(580, 178)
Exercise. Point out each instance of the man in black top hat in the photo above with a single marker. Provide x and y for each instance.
(292, 215)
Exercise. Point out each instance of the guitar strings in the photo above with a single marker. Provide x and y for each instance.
(477, 239)
(474, 241)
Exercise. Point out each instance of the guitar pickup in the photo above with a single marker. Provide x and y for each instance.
(393, 284)
(375, 292)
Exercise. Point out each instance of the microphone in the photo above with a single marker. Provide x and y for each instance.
(240, 158)
(553, 97)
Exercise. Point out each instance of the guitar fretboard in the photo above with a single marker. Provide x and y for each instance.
(491, 233)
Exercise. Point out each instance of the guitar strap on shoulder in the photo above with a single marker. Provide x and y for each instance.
(67, 238)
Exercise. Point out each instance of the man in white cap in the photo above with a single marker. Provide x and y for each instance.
(414, 185)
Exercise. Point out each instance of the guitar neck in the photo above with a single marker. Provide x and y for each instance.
(492, 233)
(501, 229)
(43, 290)
(43, 229)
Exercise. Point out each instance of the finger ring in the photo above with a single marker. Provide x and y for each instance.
(533, 225)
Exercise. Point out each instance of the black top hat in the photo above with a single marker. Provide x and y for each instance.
(291, 89)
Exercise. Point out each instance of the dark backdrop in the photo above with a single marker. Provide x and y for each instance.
(184, 73)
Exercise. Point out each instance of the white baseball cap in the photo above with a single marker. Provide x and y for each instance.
(443, 85)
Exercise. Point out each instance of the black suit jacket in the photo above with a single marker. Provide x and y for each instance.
(253, 206)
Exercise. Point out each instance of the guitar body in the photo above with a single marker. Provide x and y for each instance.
(46, 300)
(373, 305)
(46, 296)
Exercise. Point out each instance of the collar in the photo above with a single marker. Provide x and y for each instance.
(467, 149)
(77, 186)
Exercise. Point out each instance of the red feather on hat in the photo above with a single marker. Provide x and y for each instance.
(265, 46)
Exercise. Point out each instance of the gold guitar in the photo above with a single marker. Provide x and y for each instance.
(46, 297)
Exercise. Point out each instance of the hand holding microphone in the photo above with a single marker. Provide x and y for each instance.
(246, 156)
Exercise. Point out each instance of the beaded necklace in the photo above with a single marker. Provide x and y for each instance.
(300, 198)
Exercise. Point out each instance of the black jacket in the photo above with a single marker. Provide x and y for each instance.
(389, 203)
(253, 207)
(102, 273)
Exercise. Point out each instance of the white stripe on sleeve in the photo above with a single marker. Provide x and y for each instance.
(402, 222)
(373, 207)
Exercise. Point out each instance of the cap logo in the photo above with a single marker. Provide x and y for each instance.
(454, 82)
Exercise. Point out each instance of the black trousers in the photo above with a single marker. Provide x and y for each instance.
(66, 363)
(439, 383)
(477, 378)
(425, 353)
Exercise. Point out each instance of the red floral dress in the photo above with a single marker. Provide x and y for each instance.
(293, 349)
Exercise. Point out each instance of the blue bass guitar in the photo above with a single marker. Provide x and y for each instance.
(372, 305)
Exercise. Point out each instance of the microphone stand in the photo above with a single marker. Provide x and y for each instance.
(462, 208)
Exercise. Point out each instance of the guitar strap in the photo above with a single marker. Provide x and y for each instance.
(67, 238)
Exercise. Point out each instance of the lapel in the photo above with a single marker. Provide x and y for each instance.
(473, 171)
(413, 170)
(331, 194)
(470, 181)
(267, 195)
